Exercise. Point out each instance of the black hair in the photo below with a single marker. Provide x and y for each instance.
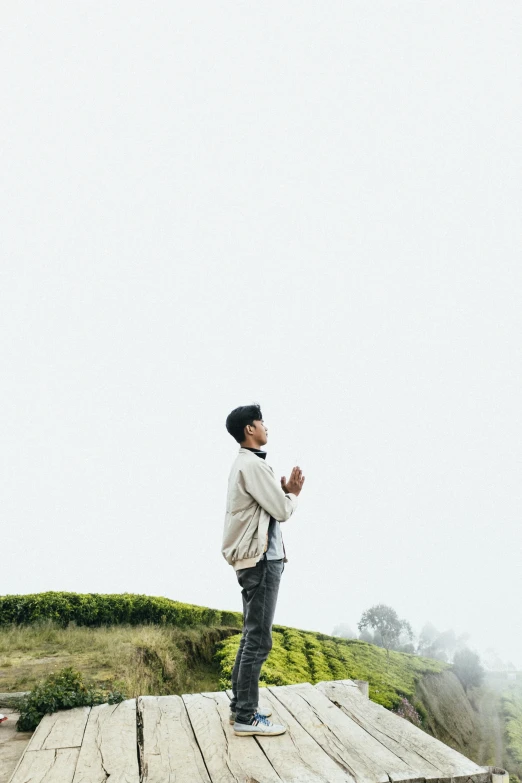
(238, 419)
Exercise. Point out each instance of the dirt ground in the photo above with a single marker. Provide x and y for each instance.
(12, 744)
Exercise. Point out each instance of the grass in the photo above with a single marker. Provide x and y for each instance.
(153, 659)
(304, 656)
(511, 701)
(137, 660)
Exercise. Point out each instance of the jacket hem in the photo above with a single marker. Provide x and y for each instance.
(247, 562)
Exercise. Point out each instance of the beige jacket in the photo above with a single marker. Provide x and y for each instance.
(254, 495)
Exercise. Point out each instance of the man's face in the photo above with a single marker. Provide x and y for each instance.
(259, 431)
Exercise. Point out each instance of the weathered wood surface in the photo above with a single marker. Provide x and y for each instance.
(46, 766)
(229, 759)
(110, 747)
(64, 729)
(334, 735)
(344, 740)
(421, 751)
(295, 755)
(167, 746)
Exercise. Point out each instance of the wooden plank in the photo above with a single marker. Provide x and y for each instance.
(110, 747)
(46, 766)
(296, 756)
(361, 710)
(229, 759)
(432, 758)
(63, 729)
(168, 747)
(343, 739)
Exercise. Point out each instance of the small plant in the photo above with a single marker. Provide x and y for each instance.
(61, 691)
(114, 697)
(408, 711)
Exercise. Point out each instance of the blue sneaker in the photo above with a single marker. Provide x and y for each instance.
(258, 725)
(264, 711)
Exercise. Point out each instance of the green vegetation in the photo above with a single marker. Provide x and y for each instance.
(63, 690)
(145, 645)
(511, 701)
(141, 645)
(96, 609)
(304, 656)
(137, 660)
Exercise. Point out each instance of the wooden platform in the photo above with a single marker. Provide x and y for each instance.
(335, 734)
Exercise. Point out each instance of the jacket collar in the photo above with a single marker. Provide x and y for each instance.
(257, 452)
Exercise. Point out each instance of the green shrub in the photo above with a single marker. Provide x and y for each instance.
(225, 657)
(61, 691)
(512, 713)
(317, 660)
(95, 609)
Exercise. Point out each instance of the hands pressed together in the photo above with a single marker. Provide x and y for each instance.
(295, 482)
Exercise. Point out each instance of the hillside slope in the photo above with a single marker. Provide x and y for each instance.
(145, 645)
(305, 656)
(449, 714)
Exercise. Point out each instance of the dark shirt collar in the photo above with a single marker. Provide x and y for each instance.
(257, 452)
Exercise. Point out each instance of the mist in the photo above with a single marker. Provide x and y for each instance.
(317, 208)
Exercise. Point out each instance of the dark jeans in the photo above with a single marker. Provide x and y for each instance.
(260, 586)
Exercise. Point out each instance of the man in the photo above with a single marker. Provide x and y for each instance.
(253, 545)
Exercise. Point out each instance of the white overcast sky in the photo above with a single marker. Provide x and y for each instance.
(316, 206)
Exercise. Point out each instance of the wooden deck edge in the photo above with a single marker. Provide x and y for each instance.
(362, 685)
(487, 774)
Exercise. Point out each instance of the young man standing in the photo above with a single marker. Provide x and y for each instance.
(253, 545)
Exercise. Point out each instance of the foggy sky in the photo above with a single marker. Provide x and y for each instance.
(313, 206)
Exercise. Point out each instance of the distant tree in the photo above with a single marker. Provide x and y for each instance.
(427, 640)
(440, 645)
(405, 642)
(493, 661)
(368, 636)
(344, 631)
(467, 667)
(386, 624)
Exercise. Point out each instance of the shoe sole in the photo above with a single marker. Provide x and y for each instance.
(258, 733)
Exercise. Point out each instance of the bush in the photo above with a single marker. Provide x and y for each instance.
(95, 609)
(467, 667)
(61, 691)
